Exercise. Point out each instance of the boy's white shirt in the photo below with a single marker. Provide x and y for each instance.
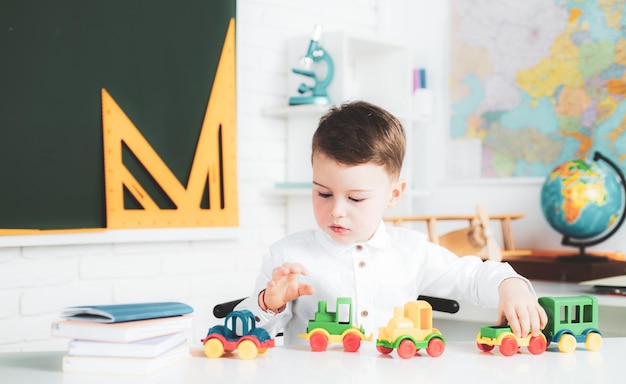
(395, 266)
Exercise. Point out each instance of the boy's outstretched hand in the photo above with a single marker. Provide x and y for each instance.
(519, 307)
(284, 286)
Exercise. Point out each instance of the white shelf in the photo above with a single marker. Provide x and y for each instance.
(296, 110)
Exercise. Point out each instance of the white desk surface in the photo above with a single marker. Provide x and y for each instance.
(460, 362)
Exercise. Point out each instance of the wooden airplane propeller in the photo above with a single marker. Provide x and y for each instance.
(493, 249)
(473, 239)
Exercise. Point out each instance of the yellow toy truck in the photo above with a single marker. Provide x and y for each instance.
(411, 329)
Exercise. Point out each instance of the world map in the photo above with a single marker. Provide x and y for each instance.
(538, 82)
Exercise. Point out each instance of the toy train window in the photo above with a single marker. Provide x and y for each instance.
(564, 315)
(587, 314)
(426, 318)
(576, 314)
(343, 313)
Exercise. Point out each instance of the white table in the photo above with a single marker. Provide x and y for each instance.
(461, 362)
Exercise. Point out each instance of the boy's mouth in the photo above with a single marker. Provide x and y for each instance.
(338, 229)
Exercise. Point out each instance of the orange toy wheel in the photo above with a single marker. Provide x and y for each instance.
(435, 347)
(537, 345)
(384, 350)
(485, 347)
(318, 342)
(406, 349)
(351, 342)
(509, 346)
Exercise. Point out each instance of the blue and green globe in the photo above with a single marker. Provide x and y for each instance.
(582, 198)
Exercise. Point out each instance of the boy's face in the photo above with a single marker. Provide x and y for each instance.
(350, 201)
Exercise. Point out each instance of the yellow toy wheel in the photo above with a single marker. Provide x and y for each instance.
(593, 342)
(213, 348)
(247, 350)
(262, 351)
(567, 343)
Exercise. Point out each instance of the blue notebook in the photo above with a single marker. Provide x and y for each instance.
(118, 313)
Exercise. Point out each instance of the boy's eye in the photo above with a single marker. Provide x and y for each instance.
(324, 195)
(355, 199)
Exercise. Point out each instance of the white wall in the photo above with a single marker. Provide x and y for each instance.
(36, 282)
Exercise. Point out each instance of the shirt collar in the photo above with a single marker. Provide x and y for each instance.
(380, 239)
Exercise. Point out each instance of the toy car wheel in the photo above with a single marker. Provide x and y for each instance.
(351, 342)
(436, 346)
(567, 343)
(509, 346)
(213, 348)
(406, 349)
(593, 341)
(384, 350)
(537, 345)
(485, 347)
(247, 350)
(318, 342)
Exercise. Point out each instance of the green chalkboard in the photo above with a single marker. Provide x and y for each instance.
(157, 58)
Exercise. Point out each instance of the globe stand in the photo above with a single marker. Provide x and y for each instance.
(583, 257)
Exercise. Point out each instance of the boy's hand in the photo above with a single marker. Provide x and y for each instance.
(284, 286)
(520, 308)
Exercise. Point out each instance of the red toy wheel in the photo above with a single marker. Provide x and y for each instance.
(537, 345)
(384, 350)
(406, 349)
(436, 346)
(485, 347)
(509, 346)
(351, 342)
(318, 342)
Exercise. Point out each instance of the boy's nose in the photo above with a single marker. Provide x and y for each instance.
(339, 209)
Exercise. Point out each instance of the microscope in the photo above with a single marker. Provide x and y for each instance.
(316, 93)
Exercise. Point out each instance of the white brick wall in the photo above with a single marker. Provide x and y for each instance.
(37, 282)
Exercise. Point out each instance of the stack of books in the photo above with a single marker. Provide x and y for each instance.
(139, 338)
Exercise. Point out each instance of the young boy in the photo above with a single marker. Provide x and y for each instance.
(358, 150)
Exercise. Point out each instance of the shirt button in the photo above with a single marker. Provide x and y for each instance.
(359, 247)
(362, 264)
(364, 313)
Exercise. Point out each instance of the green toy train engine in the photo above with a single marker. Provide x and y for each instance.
(334, 327)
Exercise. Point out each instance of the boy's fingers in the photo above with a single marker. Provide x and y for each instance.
(305, 289)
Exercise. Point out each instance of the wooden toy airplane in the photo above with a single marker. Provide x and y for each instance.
(476, 239)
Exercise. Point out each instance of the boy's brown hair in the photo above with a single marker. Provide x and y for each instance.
(358, 133)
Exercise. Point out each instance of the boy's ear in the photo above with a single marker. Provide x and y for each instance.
(397, 189)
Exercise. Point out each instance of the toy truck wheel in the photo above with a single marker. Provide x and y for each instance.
(593, 341)
(435, 348)
(318, 342)
(351, 342)
(509, 346)
(537, 345)
(213, 348)
(567, 343)
(483, 347)
(406, 349)
(384, 350)
(247, 350)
